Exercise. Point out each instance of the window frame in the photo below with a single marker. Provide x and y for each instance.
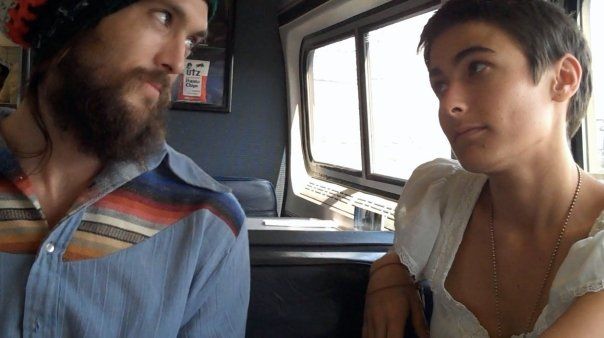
(358, 27)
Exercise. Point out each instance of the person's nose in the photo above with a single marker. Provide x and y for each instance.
(171, 56)
(453, 101)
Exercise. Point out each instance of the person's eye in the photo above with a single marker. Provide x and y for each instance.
(164, 17)
(192, 43)
(476, 67)
(439, 87)
(188, 47)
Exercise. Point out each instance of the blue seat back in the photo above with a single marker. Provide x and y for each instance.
(256, 195)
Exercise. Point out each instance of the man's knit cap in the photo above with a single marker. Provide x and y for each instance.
(47, 25)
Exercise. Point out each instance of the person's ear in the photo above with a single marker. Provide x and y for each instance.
(567, 79)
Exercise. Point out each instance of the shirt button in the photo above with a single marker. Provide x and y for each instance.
(50, 248)
(35, 325)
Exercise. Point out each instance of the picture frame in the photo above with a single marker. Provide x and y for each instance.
(14, 69)
(206, 82)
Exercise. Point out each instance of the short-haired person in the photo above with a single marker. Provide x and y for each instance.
(509, 238)
(106, 231)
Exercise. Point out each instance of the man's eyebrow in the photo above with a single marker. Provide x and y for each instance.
(202, 35)
(433, 72)
(180, 12)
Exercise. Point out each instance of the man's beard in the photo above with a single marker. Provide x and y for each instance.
(93, 109)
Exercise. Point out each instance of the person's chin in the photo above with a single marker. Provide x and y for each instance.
(473, 159)
(139, 105)
(146, 101)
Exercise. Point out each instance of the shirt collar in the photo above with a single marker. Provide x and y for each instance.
(183, 167)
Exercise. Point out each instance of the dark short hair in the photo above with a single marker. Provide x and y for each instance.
(543, 30)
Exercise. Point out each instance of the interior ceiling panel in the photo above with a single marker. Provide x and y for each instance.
(284, 5)
(289, 10)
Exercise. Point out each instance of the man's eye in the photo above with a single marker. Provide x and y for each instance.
(190, 45)
(193, 42)
(476, 67)
(164, 17)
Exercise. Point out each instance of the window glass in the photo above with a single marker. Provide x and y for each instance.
(595, 119)
(334, 105)
(403, 110)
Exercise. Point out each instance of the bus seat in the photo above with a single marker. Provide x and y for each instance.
(310, 299)
(305, 298)
(256, 196)
(310, 283)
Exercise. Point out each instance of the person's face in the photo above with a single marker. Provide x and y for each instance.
(491, 110)
(152, 35)
(111, 86)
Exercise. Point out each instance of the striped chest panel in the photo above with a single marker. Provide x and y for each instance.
(142, 208)
(22, 226)
(124, 217)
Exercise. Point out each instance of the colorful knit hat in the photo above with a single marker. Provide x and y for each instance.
(47, 25)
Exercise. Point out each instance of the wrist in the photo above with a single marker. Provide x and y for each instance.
(390, 262)
(408, 286)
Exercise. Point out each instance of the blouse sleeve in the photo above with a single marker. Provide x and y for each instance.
(419, 213)
(582, 270)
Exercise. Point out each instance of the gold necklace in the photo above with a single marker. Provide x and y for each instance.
(548, 270)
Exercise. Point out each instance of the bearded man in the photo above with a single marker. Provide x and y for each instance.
(106, 231)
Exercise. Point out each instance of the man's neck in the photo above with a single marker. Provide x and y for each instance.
(58, 174)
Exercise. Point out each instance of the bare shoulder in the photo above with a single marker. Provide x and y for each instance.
(591, 200)
(594, 189)
(582, 319)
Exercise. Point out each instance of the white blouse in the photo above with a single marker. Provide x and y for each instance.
(431, 218)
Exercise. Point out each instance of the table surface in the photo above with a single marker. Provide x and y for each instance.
(292, 223)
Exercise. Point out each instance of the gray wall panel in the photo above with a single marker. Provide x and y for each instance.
(250, 140)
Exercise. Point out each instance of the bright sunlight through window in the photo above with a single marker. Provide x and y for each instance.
(403, 110)
(334, 105)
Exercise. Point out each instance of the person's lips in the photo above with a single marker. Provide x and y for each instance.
(468, 131)
(157, 86)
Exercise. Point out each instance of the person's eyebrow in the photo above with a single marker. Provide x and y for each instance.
(470, 50)
(180, 12)
(201, 36)
(435, 71)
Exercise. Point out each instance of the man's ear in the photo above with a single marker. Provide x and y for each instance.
(568, 74)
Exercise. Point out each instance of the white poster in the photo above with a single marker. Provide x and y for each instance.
(195, 78)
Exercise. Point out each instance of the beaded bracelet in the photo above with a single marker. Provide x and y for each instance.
(406, 285)
(371, 272)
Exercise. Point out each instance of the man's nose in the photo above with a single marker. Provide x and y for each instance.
(171, 56)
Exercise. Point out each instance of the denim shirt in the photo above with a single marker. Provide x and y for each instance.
(157, 250)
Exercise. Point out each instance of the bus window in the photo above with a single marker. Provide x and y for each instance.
(370, 116)
(404, 131)
(334, 105)
(362, 112)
